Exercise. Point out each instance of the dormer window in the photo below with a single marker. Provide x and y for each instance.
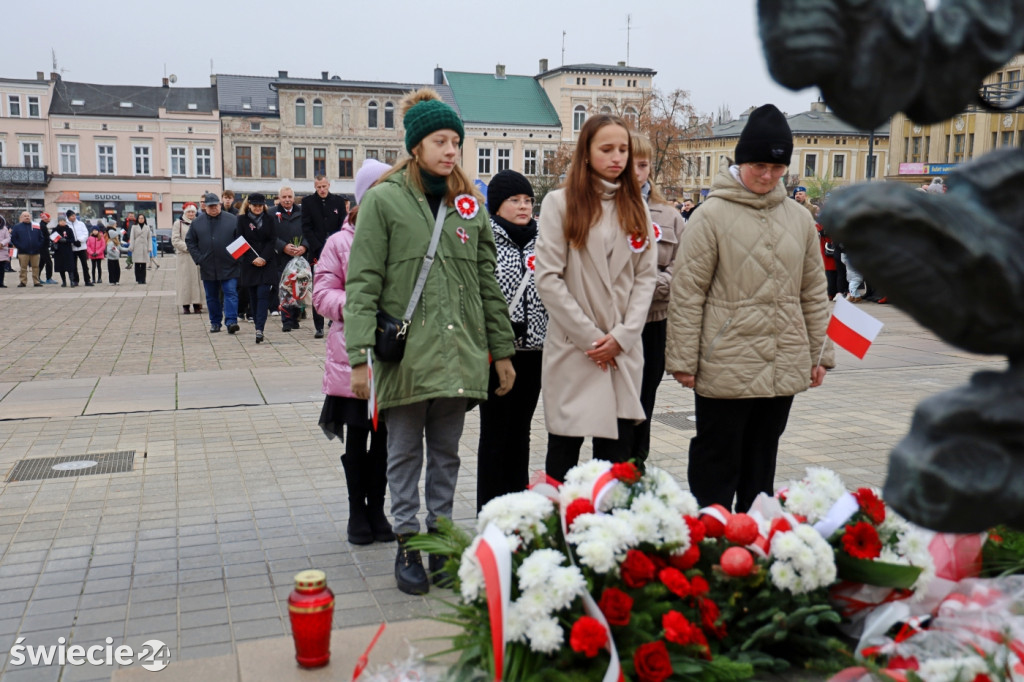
(78, 102)
(247, 102)
(192, 106)
(126, 105)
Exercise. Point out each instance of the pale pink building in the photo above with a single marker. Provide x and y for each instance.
(24, 145)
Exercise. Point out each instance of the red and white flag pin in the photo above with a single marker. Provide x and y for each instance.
(852, 328)
(240, 246)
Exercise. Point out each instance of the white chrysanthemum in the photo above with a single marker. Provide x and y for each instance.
(566, 584)
(798, 499)
(587, 473)
(646, 527)
(819, 504)
(889, 555)
(913, 543)
(596, 555)
(545, 635)
(826, 481)
(674, 530)
(537, 569)
(616, 498)
(665, 487)
(803, 553)
(471, 575)
(516, 622)
(783, 575)
(951, 669)
(573, 491)
(535, 603)
(517, 514)
(786, 545)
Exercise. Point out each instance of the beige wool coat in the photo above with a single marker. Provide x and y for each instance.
(602, 288)
(672, 225)
(141, 243)
(188, 287)
(749, 304)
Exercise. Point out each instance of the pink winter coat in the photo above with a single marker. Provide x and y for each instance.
(329, 300)
(96, 247)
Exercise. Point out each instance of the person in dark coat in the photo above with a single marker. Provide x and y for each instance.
(28, 240)
(207, 240)
(45, 260)
(322, 215)
(258, 273)
(288, 230)
(63, 257)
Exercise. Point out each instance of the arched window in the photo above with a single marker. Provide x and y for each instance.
(631, 116)
(389, 115)
(300, 112)
(579, 115)
(606, 109)
(371, 114)
(318, 113)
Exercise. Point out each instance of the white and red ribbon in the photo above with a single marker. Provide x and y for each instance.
(496, 562)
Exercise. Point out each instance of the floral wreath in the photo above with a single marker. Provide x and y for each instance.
(467, 206)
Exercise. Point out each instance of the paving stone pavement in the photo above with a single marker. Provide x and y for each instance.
(235, 489)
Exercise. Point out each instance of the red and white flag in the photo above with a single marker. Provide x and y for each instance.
(238, 247)
(852, 328)
(55, 237)
(371, 404)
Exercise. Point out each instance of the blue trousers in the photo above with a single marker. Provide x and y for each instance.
(214, 288)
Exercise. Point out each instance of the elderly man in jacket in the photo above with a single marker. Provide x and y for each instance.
(288, 230)
(207, 240)
(747, 316)
(322, 215)
(29, 241)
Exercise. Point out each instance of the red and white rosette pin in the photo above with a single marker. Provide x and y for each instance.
(467, 206)
(637, 244)
(657, 231)
(531, 262)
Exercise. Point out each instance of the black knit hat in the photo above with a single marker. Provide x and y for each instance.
(766, 138)
(505, 184)
(257, 198)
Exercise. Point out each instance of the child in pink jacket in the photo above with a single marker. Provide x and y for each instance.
(96, 250)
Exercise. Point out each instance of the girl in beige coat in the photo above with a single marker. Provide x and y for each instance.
(188, 286)
(596, 272)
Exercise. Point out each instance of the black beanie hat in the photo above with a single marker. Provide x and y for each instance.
(766, 138)
(505, 184)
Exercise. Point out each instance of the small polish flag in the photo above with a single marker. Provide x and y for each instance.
(55, 237)
(238, 247)
(852, 328)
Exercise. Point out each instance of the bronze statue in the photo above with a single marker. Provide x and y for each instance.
(872, 58)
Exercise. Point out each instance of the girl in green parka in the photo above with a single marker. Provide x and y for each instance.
(460, 320)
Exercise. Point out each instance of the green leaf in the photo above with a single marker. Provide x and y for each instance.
(877, 573)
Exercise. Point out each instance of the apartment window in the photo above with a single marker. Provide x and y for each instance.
(14, 105)
(33, 107)
(68, 157)
(958, 148)
(299, 162)
(318, 114)
(1008, 138)
(319, 161)
(373, 154)
(631, 116)
(141, 154)
(268, 162)
(345, 161)
(838, 165)
(1013, 77)
(243, 162)
(946, 159)
(915, 150)
(504, 159)
(483, 161)
(371, 114)
(391, 156)
(204, 162)
(530, 162)
(579, 116)
(179, 161)
(871, 163)
(389, 116)
(105, 159)
(1, 152)
(30, 155)
(810, 165)
(970, 146)
(707, 164)
(300, 112)
(254, 126)
(549, 158)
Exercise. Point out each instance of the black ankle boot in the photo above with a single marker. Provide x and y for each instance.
(409, 573)
(359, 531)
(435, 564)
(379, 525)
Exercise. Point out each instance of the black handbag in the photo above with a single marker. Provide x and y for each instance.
(389, 339)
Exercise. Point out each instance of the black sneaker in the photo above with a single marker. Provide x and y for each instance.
(232, 328)
(409, 573)
(319, 334)
(259, 337)
(214, 328)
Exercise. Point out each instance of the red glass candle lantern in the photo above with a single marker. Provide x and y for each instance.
(311, 610)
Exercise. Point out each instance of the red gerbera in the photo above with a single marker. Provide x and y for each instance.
(587, 636)
(870, 505)
(626, 472)
(577, 507)
(860, 540)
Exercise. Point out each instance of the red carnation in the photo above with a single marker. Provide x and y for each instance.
(616, 606)
(626, 472)
(697, 530)
(709, 616)
(587, 636)
(637, 569)
(651, 662)
(686, 560)
(870, 505)
(678, 629)
(675, 581)
(580, 505)
(741, 529)
(699, 586)
(861, 541)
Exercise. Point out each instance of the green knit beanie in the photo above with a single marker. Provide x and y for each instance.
(427, 116)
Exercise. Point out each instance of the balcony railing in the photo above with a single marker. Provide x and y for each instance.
(24, 177)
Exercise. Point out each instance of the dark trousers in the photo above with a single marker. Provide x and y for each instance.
(734, 451)
(832, 277)
(366, 469)
(84, 260)
(258, 296)
(113, 271)
(653, 337)
(97, 269)
(564, 451)
(243, 302)
(318, 319)
(140, 273)
(46, 263)
(503, 453)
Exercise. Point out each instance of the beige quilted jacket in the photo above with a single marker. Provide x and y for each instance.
(749, 305)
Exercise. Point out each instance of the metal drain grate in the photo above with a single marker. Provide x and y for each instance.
(74, 465)
(684, 421)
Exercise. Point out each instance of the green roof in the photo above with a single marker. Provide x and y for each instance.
(513, 100)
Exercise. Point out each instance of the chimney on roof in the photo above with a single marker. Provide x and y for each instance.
(40, 76)
(543, 65)
(819, 107)
(438, 75)
(54, 76)
(165, 83)
(499, 71)
(622, 63)
(323, 76)
(282, 74)
(213, 79)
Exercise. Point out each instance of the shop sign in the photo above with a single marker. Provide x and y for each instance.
(927, 168)
(115, 196)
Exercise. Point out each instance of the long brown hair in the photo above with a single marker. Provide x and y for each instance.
(583, 196)
(643, 149)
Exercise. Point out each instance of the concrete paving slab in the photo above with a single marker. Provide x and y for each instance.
(66, 398)
(147, 393)
(217, 389)
(286, 385)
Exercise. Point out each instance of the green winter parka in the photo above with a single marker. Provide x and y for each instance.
(461, 316)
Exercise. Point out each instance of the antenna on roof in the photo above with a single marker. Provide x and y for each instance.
(563, 48)
(629, 21)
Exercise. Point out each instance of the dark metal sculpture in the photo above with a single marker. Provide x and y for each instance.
(873, 58)
(955, 263)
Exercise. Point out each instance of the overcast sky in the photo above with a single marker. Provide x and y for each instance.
(708, 47)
